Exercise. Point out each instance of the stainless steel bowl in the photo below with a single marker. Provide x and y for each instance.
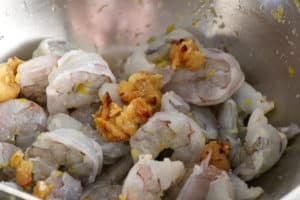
(262, 34)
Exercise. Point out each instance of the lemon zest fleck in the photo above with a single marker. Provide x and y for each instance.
(210, 73)
(278, 14)
(170, 28)
(81, 89)
(195, 22)
(248, 101)
(22, 100)
(151, 40)
(291, 71)
(121, 197)
(135, 154)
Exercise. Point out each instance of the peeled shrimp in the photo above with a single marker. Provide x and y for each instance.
(52, 46)
(207, 183)
(138, 62)
(71, 150)
(21, 121)
(59, 185)
(264, 145)
(152, 57)
(76, 81)
(112, 151)
(206, 120)
(6, 152)
(170, 101)
(33, 77)
(248, 99)
(242, 191)
(107, 185)
(107, 192)
(220, 78)
(169, 130)
(202, 116)
(84, 114)
(229, 132)
(148, 179)
(113, 90)
(41, 168)
(290, 131)
(228, 119)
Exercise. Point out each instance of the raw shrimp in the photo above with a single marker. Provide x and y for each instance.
(41, 168)
(21, 121)
(52, 46)
(138, 62)
(148, 179)
(153, 57)
(107, 192)
(290, 131)
(242, 191)
(207, 183)
(59, 185)
(112, 151)
(33, 77)
(6, 152)
(169, 130)
(170, 101)
(203, 116)
(229, 132)
(76, 81)
(206, 120)
(70, 150)
(227, 120)
(113, 90)
(220, 78)
(221, 188)
(248, 99)
(107, 185)
(264, 145)
(84, 114)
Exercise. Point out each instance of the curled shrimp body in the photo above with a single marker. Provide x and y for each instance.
(169, 130)
(32, 76)
(70, 150)
(148, 179)
(21, 120)
(76, 81)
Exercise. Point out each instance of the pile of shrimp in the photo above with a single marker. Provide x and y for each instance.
(178, 121)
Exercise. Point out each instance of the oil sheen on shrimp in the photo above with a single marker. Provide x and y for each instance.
(148, 179)
(76, 81)
(32, 76)
(71, 151)
(169, 130)
(21, 120)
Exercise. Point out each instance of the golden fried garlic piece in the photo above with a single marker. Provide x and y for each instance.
(118, 124)
(144, 85)
(9, 88)
(185, 54)
(23, 169)
(219, 154)
(42, 189)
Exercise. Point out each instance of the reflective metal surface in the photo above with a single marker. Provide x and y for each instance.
(262, 34)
